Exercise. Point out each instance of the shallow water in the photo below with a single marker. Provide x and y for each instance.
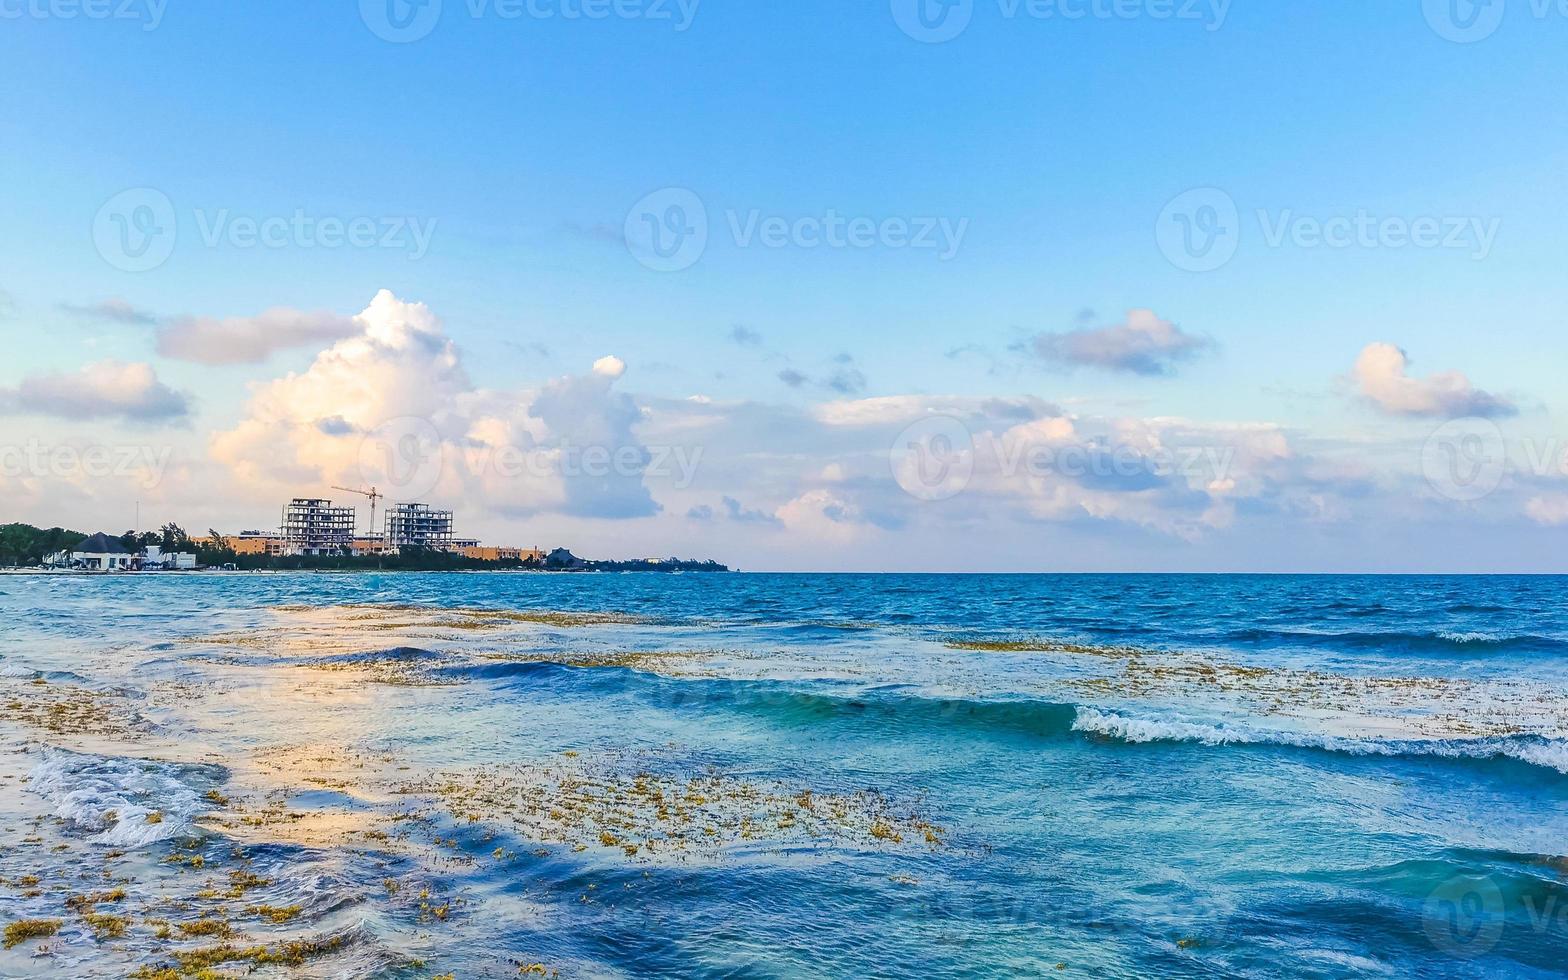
(755, 775)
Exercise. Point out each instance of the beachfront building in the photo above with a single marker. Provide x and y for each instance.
(418, 526)
(246, 543)
(312, 526)
(98, 553)
(155, 558)
(480, 552)
(374, 547)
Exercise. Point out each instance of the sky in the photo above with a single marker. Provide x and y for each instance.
(925, 285)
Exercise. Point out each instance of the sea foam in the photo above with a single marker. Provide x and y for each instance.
(1548, 753)
(123, 802)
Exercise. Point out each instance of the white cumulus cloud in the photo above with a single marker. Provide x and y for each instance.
(1382, 374)
(398, 386)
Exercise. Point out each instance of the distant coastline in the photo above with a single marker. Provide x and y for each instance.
(57, 551)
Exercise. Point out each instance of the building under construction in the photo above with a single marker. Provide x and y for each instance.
(418, 526)
(312, 526)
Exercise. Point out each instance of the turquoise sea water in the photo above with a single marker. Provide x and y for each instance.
(760, 775)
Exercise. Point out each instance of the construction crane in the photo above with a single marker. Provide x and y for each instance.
(374, 496)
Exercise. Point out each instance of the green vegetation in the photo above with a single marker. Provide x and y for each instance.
(23, 544)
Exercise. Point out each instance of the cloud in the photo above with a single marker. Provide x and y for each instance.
(1144, 344)
(1382, 374)
(582, 416)
(825, 515)
(745, 336)
(251, 339)
(116, 310)
(103, 390)
(1550, 509)
(741, 515)
(568, 447)
(903, 409)
(846, 380)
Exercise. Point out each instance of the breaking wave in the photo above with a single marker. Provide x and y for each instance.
(1535, 750)
(1436, 641)
(123, 802)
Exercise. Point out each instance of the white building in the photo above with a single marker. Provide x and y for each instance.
(99, 553)
(154, 557)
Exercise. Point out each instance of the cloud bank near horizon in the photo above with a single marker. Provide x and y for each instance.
(388, 402)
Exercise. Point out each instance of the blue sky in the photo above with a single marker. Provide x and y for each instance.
(1055, 142)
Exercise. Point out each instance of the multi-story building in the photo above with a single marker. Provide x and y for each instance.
(312, 526)
(373, 547)
(418, 526)
(480, 552)
(246, 543)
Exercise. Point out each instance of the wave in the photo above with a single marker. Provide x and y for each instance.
(1534, 750)
(783, 703)
(901, 708)
(1436, 641)
(123, 802)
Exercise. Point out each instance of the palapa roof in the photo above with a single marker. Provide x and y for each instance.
(100, 544)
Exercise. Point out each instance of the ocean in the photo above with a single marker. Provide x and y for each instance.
(504, 775)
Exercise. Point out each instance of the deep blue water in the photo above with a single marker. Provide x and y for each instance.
(1132, 775)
